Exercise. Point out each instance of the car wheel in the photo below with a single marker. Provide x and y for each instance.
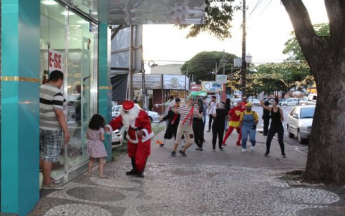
(300, 140)
(151, 120)
(291, 135)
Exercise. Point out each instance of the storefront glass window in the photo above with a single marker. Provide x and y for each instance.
(81, 47)
(53, 43)
(69, 43)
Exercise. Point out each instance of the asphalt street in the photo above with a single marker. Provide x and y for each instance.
(291, 142)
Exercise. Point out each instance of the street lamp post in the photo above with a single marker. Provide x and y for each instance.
(244, 64)
(151, 64)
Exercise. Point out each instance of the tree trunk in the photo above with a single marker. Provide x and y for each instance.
(326, 153)
(326, 58)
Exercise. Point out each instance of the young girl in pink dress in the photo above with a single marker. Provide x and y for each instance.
(95, 147)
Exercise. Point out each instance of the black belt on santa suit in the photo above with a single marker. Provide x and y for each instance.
(137, 129)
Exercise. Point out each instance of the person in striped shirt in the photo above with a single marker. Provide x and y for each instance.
(53, 126)
(185, 128)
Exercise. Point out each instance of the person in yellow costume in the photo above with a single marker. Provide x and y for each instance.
(248, 121)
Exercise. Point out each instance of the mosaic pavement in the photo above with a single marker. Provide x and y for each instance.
(189, 190)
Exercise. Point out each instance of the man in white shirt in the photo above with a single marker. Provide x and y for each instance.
(211, 110)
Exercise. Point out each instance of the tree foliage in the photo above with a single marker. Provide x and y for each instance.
(282, 76)
(203, 65)
(292, 47)
(218, 17)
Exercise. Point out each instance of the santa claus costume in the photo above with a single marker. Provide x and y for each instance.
(139, 133)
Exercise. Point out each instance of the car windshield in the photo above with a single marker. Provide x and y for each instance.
(307, 112)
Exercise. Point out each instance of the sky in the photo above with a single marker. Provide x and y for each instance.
(268, 28)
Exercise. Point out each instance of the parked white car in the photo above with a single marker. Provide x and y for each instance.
(117, 137)
(290, 102)
(115, 112)
(300, 121)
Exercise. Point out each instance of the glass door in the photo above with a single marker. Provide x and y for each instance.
(81, 51)
(52, 56)
(72, 43)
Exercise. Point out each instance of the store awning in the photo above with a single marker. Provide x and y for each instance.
(136, 12)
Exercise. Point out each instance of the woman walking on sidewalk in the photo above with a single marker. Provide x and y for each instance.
(218, 125)
(277, 118)
(198, 126)
(174, 120)
(228, 108)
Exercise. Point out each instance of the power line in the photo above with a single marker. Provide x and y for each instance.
(256, 6)
(266, 7)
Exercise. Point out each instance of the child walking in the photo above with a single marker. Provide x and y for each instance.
(95, 147)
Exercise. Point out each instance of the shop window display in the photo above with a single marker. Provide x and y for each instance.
(68, 43)
(53, 34)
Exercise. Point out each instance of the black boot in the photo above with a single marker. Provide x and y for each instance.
(142, 173)
(133, 171)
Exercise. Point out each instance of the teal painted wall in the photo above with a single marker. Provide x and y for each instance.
(104, 94)
(20, 105)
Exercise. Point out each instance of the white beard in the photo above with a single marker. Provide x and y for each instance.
(129, 117)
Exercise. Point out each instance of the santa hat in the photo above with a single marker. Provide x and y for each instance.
(127, 105)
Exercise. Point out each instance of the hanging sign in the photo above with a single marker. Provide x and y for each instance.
(177, 82)
(152, 81)
(55, 60)
(222, 78)
(195, 87)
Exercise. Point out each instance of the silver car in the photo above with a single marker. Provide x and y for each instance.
(299, 122)
(289, 102)
(154, 116)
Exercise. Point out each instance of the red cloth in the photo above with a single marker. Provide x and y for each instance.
(228, 133)
(244, 106)
(140, 150)
(235, 116)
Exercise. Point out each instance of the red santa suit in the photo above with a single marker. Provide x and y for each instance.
(139, 147)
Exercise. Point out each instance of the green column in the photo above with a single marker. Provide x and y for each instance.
(20, 105)
(104, 86)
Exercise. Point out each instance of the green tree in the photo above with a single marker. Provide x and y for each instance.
(203, 65)
(282, 76)
(326, 58)
(218, 17)
(293, 48)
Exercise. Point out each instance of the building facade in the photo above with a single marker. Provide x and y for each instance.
(74, 36)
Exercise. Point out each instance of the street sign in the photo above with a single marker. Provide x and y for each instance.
(222, 78)
(212, 86)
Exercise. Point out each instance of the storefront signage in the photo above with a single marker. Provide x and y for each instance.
(55, 60)
(178, 82)
(199, 93)
(212, 86)
(151, 81)
(222, 78)
(195, 87)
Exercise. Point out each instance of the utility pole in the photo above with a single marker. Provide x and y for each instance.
(224, 61)
(185, 83)
(244, 63)
(215, 74)
(131, 64)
